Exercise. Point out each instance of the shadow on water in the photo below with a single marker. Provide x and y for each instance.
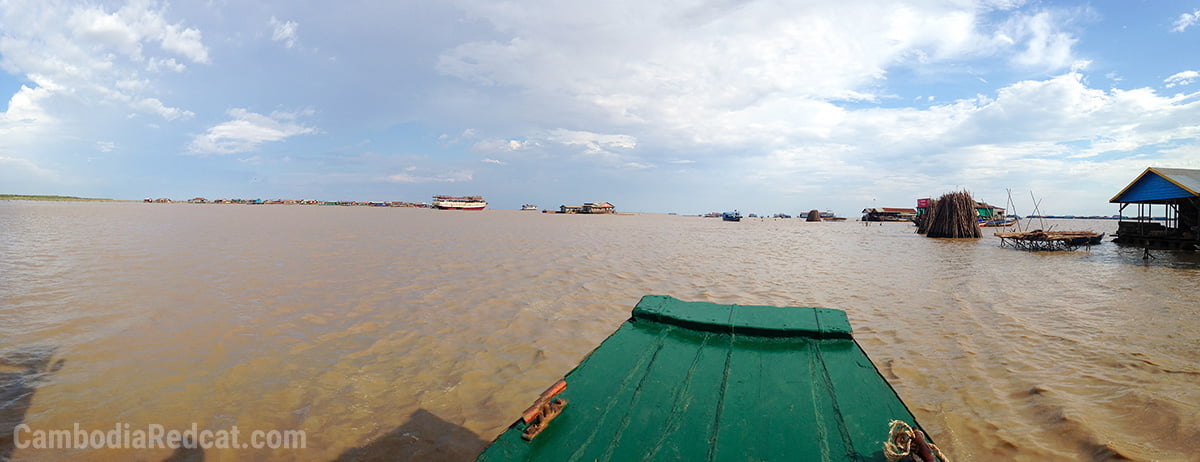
(189, 451)
(1113, 253)
(22, 370)
(424, 437)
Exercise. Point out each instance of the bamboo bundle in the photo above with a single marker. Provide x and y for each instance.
(814, 215)
(954, 216)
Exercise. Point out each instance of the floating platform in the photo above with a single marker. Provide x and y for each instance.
(709, 382)
(1037, 239)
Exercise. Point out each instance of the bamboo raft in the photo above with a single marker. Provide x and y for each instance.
(1038, 240)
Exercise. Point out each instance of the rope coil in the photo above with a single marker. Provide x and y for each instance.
(906, 444)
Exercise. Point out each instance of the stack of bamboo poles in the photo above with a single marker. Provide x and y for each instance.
(953, 215)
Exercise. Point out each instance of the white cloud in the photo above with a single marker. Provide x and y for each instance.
(247, 131)
(453, 177)
(592, 143)
(1045, 44)
(495, 145)
(101, 29)
(186, 42)
(168, 64)
(126, 29)
(471, 134)
(726, 74)
(1050, 129)
(1185, 21)
(284, 31)
(154, 106)
(26, 105)
(494, 161)
(132, 85)
(105, 146)
(1182, 78)
(12, 164)
(83, 56)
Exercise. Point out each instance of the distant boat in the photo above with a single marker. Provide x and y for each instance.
(529, 207)
(459, 202)
(1009, 221)
(731, 216)
(824, 216)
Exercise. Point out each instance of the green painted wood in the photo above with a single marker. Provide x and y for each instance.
(707, 382)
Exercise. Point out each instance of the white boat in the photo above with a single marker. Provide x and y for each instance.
(459, 202)
(529, 207)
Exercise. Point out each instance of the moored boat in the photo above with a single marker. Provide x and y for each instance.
(459, 202)
(1007, 221)
(704, 381)
(731, 216)
(1088, 240)
(529, 207)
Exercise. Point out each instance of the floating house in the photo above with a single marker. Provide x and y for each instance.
(983, 210)
(1170, 193)
(593, 208)
(826, 215)
(889, 214)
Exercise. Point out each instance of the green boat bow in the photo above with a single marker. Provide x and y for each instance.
(700, 381)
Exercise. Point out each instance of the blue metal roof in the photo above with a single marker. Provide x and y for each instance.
(1161, 184)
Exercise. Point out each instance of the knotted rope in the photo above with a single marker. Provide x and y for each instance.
(906, 444)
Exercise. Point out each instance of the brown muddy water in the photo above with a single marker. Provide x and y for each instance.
(410, 333)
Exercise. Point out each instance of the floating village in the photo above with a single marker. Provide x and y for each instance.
(587, 414)
(1159, 209)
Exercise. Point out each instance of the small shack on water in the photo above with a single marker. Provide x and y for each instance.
(889, 214)
(1168, 209)
(983, 210)
(592, 208)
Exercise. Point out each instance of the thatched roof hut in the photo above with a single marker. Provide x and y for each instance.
(814, 215)
(952, 215)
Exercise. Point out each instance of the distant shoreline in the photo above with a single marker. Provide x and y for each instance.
(39, 197)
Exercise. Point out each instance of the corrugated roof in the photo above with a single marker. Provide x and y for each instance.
(1161, 184)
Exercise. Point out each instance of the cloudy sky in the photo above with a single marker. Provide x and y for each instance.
(684, 106)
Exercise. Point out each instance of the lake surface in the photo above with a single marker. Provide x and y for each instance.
(412, 333)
